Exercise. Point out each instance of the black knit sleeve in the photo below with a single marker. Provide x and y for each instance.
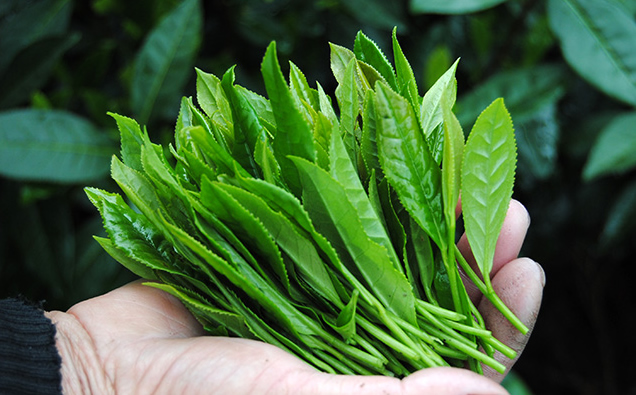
(29, 361)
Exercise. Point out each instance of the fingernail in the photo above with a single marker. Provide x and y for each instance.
(542, 278)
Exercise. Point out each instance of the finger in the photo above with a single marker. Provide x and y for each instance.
(519, 284)
(511, 237)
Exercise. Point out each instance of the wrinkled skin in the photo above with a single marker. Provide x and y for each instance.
(140, 340)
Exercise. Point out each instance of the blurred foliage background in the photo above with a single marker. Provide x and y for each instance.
(565, 68)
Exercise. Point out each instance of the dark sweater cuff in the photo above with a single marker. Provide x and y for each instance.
(29, 362)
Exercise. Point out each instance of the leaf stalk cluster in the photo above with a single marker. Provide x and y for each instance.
(328, 231)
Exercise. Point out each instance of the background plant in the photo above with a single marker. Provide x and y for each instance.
(564, 67)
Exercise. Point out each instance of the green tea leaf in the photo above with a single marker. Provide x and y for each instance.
(345, 323)
(247, 279)
(287, 204)
(340, 58)
(408, 164)
(132, 138)
(323, 199)
(202, 309)
(265, 158)
(52, 146)
(305, 256)
(347, 96)
(613, 152)
(424, 259)
(326, 107)
(452, 162)
(211, 97)
(342, 170)
(407, 86)
(211, 151)
(138, 188)
(195, 166)
(488, 175)
(300, 87)
(442, 285)
(598, 39)
(368, 144)
(280, 200)
(323, 129)
(140, 269)
(261, 106)
(247, 228)
(247, 127)
(164, 62)
(132, 234)
(294, 135)
(368, 51)
(394, 227)
(431, 114)
(170, 192)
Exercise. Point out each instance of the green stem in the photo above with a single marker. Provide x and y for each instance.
(445, 330)
(334, 363)
(476, 354)
(439, 311)
(449, 352)
(451, 270)
(365, 344)
(381, 313)
(488, 291)
(483, 333)
(386, 338)
(467, 347)
(502, 348)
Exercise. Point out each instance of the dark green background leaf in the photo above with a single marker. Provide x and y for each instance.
(31, 68)
(615, 149)
(598, 39)
(31, 23)
(165, 63)
(53, 146)
(451, 6)
(531, 95)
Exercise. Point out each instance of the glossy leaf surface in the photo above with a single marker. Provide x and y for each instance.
(407, 162)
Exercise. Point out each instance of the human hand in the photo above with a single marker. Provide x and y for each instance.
(138, 340)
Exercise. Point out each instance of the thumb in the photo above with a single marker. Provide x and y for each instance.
(520, 285)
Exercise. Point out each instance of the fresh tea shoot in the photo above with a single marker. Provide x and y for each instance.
(325, 227)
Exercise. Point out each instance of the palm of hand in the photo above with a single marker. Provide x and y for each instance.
(138, 339)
